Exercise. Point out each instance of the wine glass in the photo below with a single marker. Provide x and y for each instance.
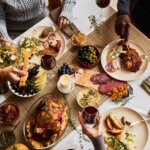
(102, 4)
(48, 62)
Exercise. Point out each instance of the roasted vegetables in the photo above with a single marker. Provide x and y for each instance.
(114, 125)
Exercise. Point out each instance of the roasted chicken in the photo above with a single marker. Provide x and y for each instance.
(131, 60)
(48, 119)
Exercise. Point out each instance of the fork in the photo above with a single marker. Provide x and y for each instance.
(137, 122)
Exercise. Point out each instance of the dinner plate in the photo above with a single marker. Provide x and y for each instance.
(123, 74)
(140, 130)
(38, 30)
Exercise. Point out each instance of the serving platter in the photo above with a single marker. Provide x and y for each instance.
(140, 130)
(123, 74)
(55, 97)
(36, 32)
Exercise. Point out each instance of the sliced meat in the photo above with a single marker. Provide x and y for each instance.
(46, 45)
(108, 87)
(100, 78)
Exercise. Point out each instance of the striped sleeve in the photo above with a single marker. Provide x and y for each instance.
(3, 29)
(67, 9)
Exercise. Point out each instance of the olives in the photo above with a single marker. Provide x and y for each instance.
(88, 55)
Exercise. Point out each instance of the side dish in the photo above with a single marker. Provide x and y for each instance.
(8, 113)
(35, 82)
(88, 97)
(8, 53)
(88, 56)
(78, 39)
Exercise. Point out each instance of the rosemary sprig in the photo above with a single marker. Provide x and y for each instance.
(122, 101)
(94, 23)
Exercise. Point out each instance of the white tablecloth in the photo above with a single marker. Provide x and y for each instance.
(140, 102)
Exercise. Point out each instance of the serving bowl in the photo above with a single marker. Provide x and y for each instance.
(78, 39)
(88, 94)
(9, 113)
(18, 94)
(56, 97)
(88, 56)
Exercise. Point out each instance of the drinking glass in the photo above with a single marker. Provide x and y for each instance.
(102, 4)
(89, 114)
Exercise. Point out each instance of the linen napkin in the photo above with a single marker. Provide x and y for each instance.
(146, 85)
(68, 30)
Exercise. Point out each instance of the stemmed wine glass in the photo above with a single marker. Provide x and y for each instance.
(48, 62)
(102, 4)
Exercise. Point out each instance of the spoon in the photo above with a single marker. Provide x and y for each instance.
(137, 122)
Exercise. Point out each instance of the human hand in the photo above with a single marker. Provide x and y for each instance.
(12, 74)
(63, 21)
(90, 132)
(122, 26)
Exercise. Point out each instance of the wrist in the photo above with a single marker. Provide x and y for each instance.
(122, 12)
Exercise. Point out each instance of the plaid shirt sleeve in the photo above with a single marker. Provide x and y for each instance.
(3, 29)
(67, 9)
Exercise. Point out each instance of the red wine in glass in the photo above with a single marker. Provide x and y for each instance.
(48, 62)
(89, 114)
(102, 3)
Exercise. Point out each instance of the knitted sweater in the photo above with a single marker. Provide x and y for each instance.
(19, 15)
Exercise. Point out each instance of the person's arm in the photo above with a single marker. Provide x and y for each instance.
(3, 29)
(66, 14)
(123, 19)
(67, 9)
(98, 143)
(124, 6)
(93, 133)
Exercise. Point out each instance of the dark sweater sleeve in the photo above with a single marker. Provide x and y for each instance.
(124, 5)
(98, 143)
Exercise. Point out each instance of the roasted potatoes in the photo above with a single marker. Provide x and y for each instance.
(114, 125)
(108, 123)
(115, 131)
(115, 121)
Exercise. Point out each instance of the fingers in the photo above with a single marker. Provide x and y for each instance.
(63, 22)
(17, 71)
(97, 124)
(122, 27)
(60, 23)
(126, 36)
(83, 124)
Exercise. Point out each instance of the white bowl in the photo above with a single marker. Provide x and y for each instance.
(16, 93)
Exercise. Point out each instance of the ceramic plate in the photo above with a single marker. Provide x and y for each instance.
(140, 130)
(123, 74)
(38, 30)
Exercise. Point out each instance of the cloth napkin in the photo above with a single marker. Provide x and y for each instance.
(146, 85)
(68, 30)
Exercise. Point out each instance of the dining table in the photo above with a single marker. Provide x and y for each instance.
(140, 101)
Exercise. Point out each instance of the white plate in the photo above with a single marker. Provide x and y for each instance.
(141, 130)
(123, 74)
(38, 30)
